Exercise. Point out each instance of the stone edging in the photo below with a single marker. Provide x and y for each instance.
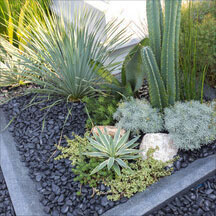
(21, 188)
(164, 190)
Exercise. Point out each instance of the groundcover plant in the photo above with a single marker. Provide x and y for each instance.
(70, 63)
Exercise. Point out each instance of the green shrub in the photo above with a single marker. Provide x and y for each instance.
(84, 168)
(201, 17)
(146, 172)
(191, 124)
(75, 148)
(114, 151)
(138, 116)
(100, 110)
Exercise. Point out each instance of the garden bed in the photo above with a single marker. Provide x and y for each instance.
(54, 179)
(6, 206)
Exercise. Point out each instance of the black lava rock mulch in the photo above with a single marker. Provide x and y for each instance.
(37, 149)
(6, 206)
(55, 178)
(198, 201)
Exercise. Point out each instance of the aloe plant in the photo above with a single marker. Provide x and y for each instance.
(113, 150)
(132, 69)
(160, 60)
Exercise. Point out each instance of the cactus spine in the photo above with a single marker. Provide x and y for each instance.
(164, 42)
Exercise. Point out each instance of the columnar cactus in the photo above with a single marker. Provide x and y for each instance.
(161, 64)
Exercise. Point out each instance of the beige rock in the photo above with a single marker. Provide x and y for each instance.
(166, 150)
(110, 129)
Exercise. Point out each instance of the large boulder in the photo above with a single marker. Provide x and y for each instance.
(110, 129)
(166, 149)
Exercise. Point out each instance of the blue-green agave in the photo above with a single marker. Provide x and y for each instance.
(113, 150)
(160, 59)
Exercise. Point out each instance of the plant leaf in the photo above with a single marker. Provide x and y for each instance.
(110, 162)
(99, 167)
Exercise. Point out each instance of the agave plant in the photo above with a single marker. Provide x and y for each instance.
(74, 53)
(161, 58)
(113, 150)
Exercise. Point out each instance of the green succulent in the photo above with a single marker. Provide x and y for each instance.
(160, 59)
(113, 150)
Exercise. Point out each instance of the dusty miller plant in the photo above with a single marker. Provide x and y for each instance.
(191, 124)
(138, 116)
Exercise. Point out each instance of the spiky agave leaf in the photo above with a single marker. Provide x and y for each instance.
(117, 150)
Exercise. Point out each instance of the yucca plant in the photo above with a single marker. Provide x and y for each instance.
(113, 150)
(73, 53)
(161, 58)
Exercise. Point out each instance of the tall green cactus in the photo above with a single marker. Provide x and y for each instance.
(164, 42)
(157, 89)
(155, 27)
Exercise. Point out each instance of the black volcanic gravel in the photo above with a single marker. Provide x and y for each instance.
(55, 178)
(197, 201)
(6, 207)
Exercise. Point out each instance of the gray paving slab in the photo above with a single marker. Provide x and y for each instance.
(165, 189)
(21, 188)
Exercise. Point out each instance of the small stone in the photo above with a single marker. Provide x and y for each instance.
(212, 196)
(209, 191)
(38, 177)
(56, 189)
(177, 165)
(104, 201)
(69, 203)
(47, 209)
(64, 209)
(61, 198)
(124, 199)
(184, 164)
(166, 149)
(111, 130)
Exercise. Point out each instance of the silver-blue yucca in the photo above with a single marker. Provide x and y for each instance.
(161, 58)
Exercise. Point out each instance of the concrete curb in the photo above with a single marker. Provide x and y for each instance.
(164, 190)
(21, 188)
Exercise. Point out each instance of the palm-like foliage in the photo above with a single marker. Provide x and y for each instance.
(113, 150)
(68, 58)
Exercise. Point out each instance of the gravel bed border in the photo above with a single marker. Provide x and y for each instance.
(26, 199)
(21, 188)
